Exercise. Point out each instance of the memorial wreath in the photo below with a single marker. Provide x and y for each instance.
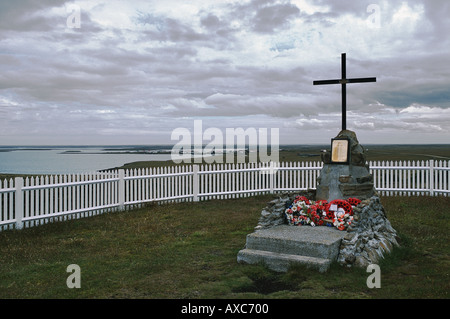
(337, 213)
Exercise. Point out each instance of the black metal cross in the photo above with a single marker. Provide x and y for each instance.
(343, 81)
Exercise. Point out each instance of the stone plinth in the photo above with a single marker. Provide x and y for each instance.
(282, 246)
(342, 181)
(368, 239)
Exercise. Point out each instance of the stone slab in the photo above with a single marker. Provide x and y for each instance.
(320, 241)
(281, 262)
(281, 246)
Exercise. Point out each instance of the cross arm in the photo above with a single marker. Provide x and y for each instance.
(343, 81)
(361, 80)
(322, 82)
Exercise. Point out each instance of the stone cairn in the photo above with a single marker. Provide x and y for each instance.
(338, 181)
(371, 235)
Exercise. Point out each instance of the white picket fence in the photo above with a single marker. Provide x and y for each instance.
(33, 201)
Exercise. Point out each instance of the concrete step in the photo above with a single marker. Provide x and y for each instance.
(321, 242)
(282, 245)
(281, 262)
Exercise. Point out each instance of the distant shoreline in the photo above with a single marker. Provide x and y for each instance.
(287, 153)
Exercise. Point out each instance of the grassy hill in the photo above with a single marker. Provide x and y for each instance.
(188, 250)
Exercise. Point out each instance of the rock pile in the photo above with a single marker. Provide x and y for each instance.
(370, 236)
(274, 213)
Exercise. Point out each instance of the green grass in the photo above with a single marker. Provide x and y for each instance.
(189, 250)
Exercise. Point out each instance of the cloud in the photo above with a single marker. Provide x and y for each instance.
(139, 67)
(272, 17)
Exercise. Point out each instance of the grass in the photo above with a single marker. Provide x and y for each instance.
(189, 250)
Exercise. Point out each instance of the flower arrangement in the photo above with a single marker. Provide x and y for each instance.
(337, 213)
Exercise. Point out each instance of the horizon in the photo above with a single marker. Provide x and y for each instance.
(170, 145)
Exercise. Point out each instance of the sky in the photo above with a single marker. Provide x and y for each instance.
(133, 72)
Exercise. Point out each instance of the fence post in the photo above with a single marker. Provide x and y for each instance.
(195, 184)
(18, 205)
(121, 189)
(431, 177)
(271, 178)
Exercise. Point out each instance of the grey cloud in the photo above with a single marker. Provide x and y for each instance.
(278, 106)
(36, 17)
(413, 79)
(211, 21)
(219, 28)
(215, 34)
(429, 95)
(265, 16)
(345, 6)
(167, 29)
(21, 15)
(437, 13)
(166, 70)
(325, 19)
(356, 8)
(273, 17)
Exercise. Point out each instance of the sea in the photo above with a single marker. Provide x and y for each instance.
(36, 160)
(75, 159)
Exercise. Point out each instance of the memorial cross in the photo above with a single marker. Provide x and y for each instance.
(343, 81)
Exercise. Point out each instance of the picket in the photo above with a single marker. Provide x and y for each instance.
(35, 200)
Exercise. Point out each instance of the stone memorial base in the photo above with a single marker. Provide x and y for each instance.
(367, 239)
(278, 245)
(282, 246)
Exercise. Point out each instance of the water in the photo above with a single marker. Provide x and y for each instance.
(73, 160)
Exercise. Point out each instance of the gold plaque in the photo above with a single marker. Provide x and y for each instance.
(339, 151)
